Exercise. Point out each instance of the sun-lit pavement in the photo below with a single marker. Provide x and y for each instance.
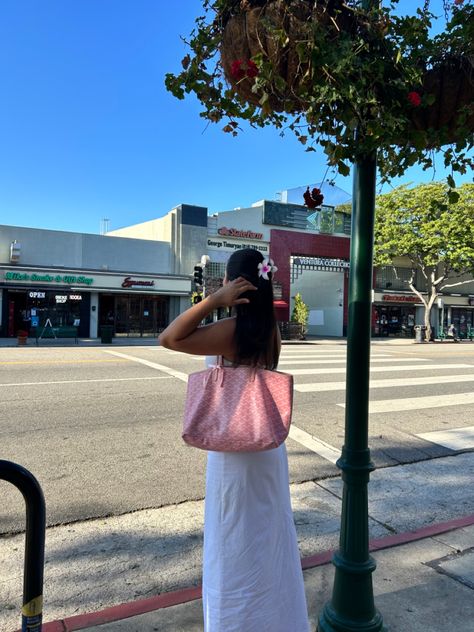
(100, 428)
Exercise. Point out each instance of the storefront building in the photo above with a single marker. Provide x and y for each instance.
(310, 249)
(139, 277)
(395, 314)
(60, 280)
(397, 310)
(39, 298)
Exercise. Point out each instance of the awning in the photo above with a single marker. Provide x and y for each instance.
(280, 304)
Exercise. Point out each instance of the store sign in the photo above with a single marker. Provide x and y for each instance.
(129, 282)
(37, 294)
(223, 244)
(48, 278)
(321, 263)
(400, 298)
(235, 232)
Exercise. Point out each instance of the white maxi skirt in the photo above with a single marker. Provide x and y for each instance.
(252, 577)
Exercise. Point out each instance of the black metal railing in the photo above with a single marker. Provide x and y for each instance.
(32, 610)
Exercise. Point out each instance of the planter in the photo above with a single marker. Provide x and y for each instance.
(296, 331)
(255, 31)
(22, 340)
(452, 84)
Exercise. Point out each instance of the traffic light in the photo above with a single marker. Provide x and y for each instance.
(198, 280)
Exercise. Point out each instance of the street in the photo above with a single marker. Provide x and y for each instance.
(100, 426)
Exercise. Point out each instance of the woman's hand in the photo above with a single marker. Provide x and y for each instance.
(228, 295)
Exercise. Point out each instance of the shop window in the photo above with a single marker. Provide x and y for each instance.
(215, 270)
(388, 278)
(138, 315)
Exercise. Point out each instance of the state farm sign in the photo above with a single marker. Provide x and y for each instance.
(235, 232)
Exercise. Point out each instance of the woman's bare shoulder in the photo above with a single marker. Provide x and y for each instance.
(213, 339)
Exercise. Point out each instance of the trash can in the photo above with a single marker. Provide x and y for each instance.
(420, 333)
(106, 333)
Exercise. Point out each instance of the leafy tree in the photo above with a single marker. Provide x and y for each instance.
(436, 235)
(300, 313)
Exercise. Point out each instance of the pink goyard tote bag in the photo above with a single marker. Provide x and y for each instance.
(241, 409)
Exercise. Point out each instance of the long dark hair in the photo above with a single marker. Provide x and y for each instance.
(255, 329)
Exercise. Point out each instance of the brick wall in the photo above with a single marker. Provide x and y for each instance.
(285, 243)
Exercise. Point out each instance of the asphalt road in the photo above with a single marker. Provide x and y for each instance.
(100, 426)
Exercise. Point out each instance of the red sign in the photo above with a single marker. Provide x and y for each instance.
(129, 282)
(234, 232)
(400, 298)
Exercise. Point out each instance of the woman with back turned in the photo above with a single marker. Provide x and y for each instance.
(252, 577)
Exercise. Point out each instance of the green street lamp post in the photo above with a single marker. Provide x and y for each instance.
(352, 605)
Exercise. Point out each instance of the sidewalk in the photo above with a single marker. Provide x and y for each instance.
(152, 341)
(141, 571)
(424, 585)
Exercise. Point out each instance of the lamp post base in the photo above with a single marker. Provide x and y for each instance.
(330, 621)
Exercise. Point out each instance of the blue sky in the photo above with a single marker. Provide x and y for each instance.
(87, 129)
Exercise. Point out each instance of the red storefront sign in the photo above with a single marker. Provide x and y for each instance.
(400, 298)
(234, 232)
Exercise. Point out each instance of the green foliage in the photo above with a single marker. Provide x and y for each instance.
(422, 224)
(435, 232)
(300, 312)
(353, 73)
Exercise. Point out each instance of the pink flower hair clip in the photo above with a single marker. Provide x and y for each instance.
(265, 267)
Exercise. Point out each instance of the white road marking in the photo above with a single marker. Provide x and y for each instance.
(454, 439)
(153, 365)
(104, 379)
(381, 369)
(313, 351)
(321, 448)
(321, 387)
(338, 361)
(417, 403)
(304, 356)
(325, 450)
(285, 358)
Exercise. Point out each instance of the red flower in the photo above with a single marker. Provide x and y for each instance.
(458, 2)
(414, 98)
(236, 70)
(252, 70)
(240, 69)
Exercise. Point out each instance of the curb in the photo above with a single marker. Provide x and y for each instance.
(185, 595)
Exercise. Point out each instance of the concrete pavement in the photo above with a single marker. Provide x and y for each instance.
(425, 585)
(106, 574)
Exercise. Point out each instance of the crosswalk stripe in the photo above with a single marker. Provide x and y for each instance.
(321, 387)
(153, 365)
(322, 448)
(344, 360)
(311, 355)
(454, 439)
(381, 369)
(416, 403)
(285, 358)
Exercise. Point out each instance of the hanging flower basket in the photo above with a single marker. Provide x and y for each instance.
(257, 31)
(451, 83)
(351, 80)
